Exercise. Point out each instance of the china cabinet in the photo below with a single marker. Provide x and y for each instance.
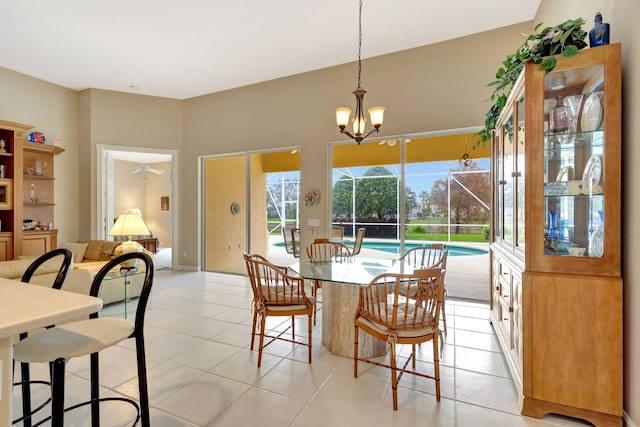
(26, 193)
(556, 286)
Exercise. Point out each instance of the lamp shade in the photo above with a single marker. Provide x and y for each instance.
(129, 224)
(342, 116)
(377, 115)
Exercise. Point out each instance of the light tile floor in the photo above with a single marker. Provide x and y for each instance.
(202, 373)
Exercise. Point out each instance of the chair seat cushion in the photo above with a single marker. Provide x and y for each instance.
(73, 340)
(384, 330)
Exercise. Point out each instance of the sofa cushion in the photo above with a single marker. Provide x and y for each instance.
(14, 269)
(99, 250)
(78, 249)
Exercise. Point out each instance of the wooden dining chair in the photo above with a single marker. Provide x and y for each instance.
(432, 255)
(357, 244)
(337, 232)
(324, 250)
(385, 313)
(291, 237)
(276, 293)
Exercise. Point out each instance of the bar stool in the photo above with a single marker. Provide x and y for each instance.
(25, 375)
(88, 337)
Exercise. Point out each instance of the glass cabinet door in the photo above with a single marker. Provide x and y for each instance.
(574, 162)
(519, 175)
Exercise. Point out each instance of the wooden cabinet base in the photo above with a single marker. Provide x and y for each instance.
(36, 243)
(538, 409)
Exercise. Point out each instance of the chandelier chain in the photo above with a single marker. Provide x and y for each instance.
(359, 43)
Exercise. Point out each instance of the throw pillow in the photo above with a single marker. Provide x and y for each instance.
(78, 250)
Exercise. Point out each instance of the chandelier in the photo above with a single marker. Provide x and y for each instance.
(359, 121)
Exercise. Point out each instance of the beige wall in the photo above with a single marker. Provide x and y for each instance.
(119, 119)
(622, 15)
(52, 110)
(424, 89)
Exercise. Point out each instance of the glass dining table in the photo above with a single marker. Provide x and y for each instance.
(341, 279)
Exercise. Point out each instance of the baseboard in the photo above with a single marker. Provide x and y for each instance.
(188, 268)
(628, 422)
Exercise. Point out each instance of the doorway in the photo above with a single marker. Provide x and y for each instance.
(143, 179)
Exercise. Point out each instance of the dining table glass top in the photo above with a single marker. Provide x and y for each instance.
(355, 270)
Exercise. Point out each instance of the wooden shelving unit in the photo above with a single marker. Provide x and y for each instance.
(16, 205)
(556, 291)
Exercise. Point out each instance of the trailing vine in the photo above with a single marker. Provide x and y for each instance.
(566, 39)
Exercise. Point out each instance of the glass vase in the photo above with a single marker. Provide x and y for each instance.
(553, 225)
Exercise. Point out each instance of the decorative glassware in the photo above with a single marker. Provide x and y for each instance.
(559, 117)
(553, 225)
(573, 106)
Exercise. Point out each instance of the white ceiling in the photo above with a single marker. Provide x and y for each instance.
(181, 49)
(141, 158)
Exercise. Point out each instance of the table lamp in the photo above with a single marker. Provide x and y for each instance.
(128, 224)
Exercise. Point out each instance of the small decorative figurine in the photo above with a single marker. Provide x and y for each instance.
(3, 146)
(599, 34)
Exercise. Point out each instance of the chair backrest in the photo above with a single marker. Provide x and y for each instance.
(291, 237)
(326, 251)
(337, 232)
(357, 245)
(384, 299)
(271, 285)
(67, 257)
(434, 255)
(143, 299)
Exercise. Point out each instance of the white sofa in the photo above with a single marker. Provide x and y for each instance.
(92, 256)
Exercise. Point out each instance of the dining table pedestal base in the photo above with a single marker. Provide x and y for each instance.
(339, 304)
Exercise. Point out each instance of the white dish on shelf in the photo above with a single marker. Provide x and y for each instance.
(592, 171)
(591, 113)
(565, 174)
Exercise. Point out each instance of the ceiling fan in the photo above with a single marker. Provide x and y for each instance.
(146, 168)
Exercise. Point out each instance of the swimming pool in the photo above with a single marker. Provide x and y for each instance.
(394, 248)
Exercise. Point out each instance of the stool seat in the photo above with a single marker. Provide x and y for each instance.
(73, 340)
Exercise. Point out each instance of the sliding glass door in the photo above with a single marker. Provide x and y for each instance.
(411, 191)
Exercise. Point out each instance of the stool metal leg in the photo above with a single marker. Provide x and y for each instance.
(57, 392)
(95, 390)
(143, 389)
(26, 393)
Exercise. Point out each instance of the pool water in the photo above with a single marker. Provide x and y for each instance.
(394, 248)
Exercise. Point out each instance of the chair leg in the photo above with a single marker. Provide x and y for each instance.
(444, 317)
(355, 352)
(253, 326)
(394, 376)
(95, 389)
(26, 393)
(261, 343)
(293, 327)
(57, 392)
(143, 387)
(436, 365)
(309, 333)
